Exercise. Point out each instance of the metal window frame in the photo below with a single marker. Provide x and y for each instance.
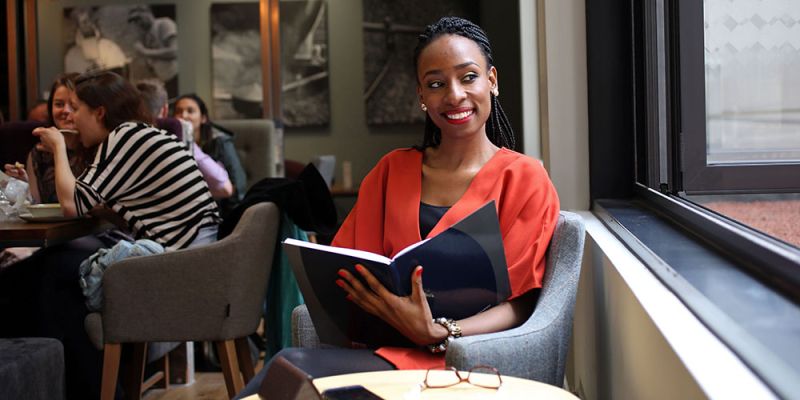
(698, 176)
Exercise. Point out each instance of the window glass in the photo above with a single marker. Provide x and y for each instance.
(752, 70)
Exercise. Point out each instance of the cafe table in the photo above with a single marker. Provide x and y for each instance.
(405, 385)
(20, 233)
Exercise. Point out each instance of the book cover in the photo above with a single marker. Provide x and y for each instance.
(465, 273)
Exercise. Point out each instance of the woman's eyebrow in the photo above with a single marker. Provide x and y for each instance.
(459, 66)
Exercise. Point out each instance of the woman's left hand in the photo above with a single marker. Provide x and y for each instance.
(410, 315)
(50, 139)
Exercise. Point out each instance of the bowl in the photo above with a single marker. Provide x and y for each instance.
(45, 210)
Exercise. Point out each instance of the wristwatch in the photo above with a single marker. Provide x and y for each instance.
(453, 331)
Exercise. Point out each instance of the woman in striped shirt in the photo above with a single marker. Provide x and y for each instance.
(147, 178)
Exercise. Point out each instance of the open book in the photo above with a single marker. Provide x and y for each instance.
(464, 273)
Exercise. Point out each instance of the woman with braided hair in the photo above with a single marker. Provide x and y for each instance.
(465, 160)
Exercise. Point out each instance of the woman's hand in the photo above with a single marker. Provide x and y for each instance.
(410, 315)
(50, 139)
(16, 170)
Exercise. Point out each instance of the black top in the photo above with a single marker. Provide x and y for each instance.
(429, 216)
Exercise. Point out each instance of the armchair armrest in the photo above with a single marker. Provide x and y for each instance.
(303, 332)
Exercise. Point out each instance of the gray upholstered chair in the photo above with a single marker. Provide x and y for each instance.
(207, 293)
(254, 143)
(535, 350)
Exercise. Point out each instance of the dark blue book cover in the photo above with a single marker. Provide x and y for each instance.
(465, 273)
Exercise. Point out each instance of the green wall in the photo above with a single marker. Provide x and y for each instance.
(347, 137)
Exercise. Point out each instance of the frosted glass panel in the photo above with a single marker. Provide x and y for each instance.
(752, 70)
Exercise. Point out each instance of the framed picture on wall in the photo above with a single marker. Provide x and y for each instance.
(136, 41)
(304, 62)
(236, 66)
(390, 35)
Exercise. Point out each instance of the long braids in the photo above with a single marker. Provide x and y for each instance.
(498, 129)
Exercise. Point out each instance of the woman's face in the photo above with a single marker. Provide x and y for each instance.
(88, 122)
(188, 110)
(62, 111)
(455, 82)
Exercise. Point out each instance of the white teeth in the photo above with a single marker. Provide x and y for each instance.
(460, 115)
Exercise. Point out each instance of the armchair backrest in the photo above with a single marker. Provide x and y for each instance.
(254, 143)
(211, 292)
(560, 286)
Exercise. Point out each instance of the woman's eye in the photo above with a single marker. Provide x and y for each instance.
(470, 77)
(435, 84)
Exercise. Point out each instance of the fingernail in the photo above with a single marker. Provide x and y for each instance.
(340, 283)
(359, 268)
(341, 273)
(419, 272)
(349, 297)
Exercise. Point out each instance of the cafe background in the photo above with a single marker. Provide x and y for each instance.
(347, 136)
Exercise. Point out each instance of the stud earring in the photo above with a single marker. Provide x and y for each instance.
(495, 91)
(423, 106)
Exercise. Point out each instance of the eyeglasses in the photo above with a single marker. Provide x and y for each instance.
(482, 376)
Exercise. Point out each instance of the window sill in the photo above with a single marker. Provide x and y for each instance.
(709, 361)
(758, 324)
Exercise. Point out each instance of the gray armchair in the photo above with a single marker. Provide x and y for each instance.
(207, 293)
(538, 348)
(535, 350)
(254, 144)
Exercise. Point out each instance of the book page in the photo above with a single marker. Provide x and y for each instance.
(341, 250)
(409, 248)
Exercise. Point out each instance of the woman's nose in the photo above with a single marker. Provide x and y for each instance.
(455, 94)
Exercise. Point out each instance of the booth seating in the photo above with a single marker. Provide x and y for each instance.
(535, 350)
(31, 369)
(17, 141)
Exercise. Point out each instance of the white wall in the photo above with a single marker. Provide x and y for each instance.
(633, 339)
(563, 99)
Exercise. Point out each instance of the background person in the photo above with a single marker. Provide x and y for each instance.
(39, 169)
(215, 142)
(155, 98)
(465, 160)
(146, 178)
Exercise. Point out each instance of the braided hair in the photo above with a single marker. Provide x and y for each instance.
(498, 129)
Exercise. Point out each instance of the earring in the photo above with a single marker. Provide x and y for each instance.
(495, 91)
(423, 106)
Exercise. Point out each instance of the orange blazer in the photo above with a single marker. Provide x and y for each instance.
(385, 219)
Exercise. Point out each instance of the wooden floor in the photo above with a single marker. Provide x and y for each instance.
(207, 386)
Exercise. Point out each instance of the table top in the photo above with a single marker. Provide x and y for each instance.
(19, 233)
(404, 385)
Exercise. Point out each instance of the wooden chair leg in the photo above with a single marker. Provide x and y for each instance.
(226, 350)
(245, 361)
(134, 371)
(111, 355)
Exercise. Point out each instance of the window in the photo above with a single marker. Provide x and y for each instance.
(694, 125)
(740, 131)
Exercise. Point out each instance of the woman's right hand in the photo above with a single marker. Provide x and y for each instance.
(50, 139)
(16, 170)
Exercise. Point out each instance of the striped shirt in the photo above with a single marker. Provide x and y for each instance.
(148, 178)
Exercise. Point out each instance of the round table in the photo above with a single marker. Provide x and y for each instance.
(405, 385)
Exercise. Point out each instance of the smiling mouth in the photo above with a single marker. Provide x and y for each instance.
(459, 117)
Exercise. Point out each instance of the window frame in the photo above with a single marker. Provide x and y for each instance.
(699, 177)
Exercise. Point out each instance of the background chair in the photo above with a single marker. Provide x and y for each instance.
(207, 293)
(254, 143)
(535, 350)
